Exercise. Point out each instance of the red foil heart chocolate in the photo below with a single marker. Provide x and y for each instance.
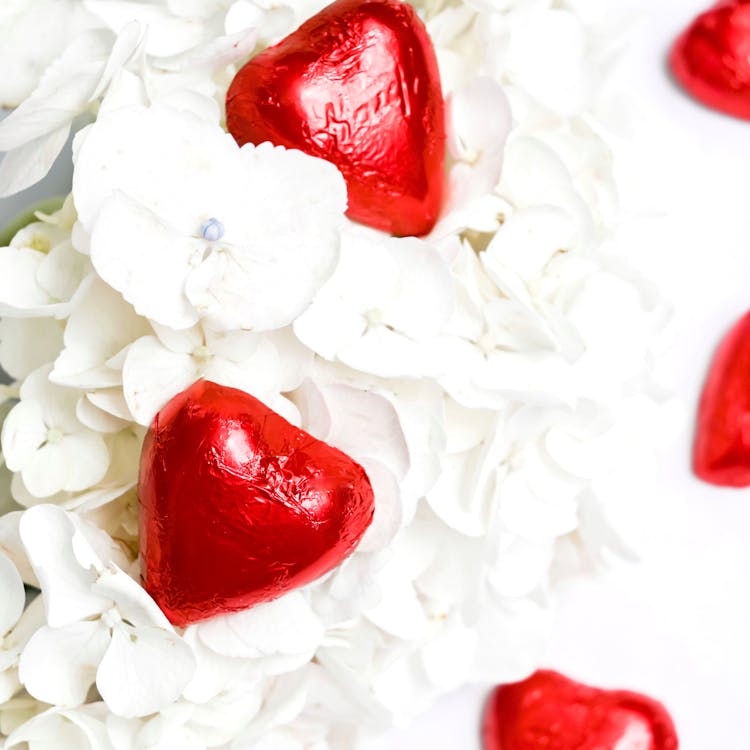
(712, 58)
(722, 444)
(238, 506)
(358, 85)
(551, 712)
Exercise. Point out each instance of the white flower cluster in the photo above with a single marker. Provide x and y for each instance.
(492, 377)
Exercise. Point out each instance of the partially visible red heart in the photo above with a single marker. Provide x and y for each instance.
(721, 454)
(551, 712)
(238, 506)
(711, 59)
(358, 85)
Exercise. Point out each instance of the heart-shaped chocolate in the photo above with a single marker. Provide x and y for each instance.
(238, 506)
(711, 59)
(551, 712)
(358, 85)
(721, 453)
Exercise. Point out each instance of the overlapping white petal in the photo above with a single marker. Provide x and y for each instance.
(13, 597)
(155, 665)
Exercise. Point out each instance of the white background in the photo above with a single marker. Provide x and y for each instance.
(678, 626)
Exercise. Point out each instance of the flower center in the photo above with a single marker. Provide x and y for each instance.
(111, 617)
(212, 230)
(487, 343)
(201, 353)
(54, 435)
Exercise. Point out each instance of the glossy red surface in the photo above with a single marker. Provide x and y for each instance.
(358, 85)
(238, 506)
(722, 443)
(551, 712)
(711, 59)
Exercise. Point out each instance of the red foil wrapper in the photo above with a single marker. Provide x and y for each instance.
(238, 506)
(357, 85)
(722, 444)
(551, 712)
(711, 59)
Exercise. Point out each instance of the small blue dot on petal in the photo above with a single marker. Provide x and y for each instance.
(212, 230)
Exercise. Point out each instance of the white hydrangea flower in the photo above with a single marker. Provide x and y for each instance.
(147, 214)
(43, 439)
(101, 625)
(384, 309)
(40, 272)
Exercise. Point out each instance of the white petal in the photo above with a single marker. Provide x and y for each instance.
(144, 259)
(168, 34)
(133, 603)
(422, 301)
(525, 514)
(329, 325)
(111, 401)
(56, 729)
(52, 25)
(47, 534)
(144, 670)
(462, 496)
(58, 665)
(62, 273)
(28, 343)
(12, 547)
(24, 430)
(97, 419)
(63, 92)
(100, 325)
(285, 626)
(75, 463)
(385, 352)
(529, 238)
(183, 341)
(26, 165)
(19, 289)
(362, 424)
(152, 375)
(388, 509)
(45, 473)
(12, 596)
(87, 460)
(479, 122)
(214, 672)
(125, 48)
(399, 611)
(9, 684)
